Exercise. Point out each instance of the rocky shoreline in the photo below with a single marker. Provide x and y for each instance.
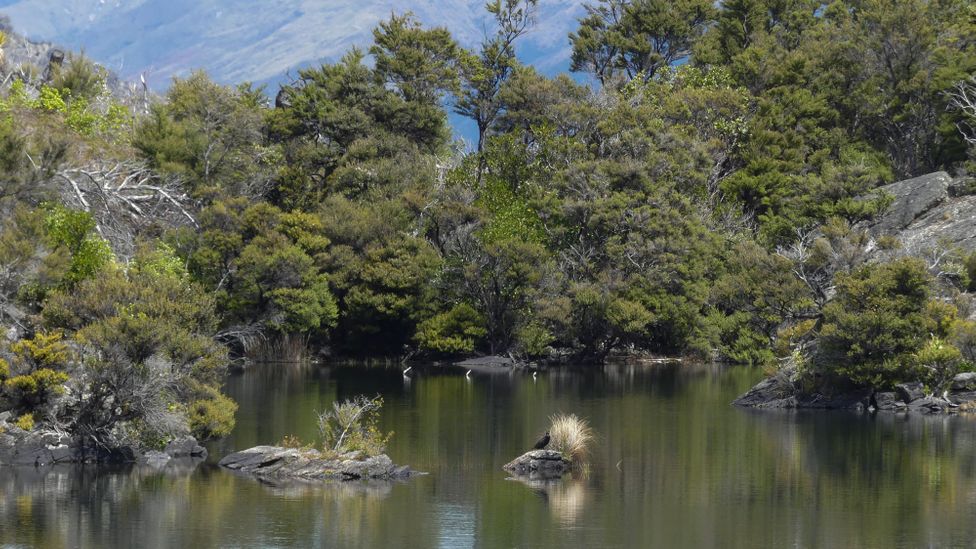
(276, 464)
(40, 447)
(778, 392)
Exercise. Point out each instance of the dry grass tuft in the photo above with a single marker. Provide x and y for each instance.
(571, 436)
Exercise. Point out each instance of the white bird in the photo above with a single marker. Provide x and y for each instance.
(533, 375)
(468, 374)
(407, 370)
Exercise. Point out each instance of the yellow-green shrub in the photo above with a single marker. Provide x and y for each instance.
(45, 350)
(25, 422)
(212, 417)
(35, 389)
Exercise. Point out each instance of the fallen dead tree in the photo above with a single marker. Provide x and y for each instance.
(127, 199)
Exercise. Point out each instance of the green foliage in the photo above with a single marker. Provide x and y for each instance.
(345, 130)
(34, 390)
(51, 99)
(43, 350)
(875, 330)
(274, 275)
(637, 38)
(145, 333)
(533, 339)
(455, 331)
(757, 293)
(420, 63)
(939, 362)
(212, 135)
(74, 230)
(211, 417)
(483, 73)
(704, 198)
(79, 78)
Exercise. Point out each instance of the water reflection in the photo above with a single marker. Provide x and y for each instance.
(565, 498)
(673, 466)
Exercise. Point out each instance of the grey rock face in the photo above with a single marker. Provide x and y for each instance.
(539, 465)
(929, 211)
(965, 381)
(773, 392)
(273, 463)
(910, 392)
(887, 401)
(185, 447)
(930, 405)
(776, 392)
(912, 198)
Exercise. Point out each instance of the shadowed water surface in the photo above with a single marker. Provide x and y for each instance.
(673, 466)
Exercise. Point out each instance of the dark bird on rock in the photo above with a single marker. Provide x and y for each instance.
(542, 443)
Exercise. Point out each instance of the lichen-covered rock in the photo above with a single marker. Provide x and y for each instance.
(539, 465)
(274, 463)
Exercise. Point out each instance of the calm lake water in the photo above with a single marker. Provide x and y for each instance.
(674, 466)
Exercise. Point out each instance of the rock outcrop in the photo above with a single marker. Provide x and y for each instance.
(277, 464)
(779, 392)
(929, 211)
(539, 465)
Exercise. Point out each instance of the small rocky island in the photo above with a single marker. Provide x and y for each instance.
(539, 465)
(276, 464)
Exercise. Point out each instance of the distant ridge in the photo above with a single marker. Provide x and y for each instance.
(257, 40)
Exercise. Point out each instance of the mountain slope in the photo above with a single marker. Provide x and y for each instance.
(256, 40)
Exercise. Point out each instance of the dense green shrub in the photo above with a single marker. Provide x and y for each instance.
(883, 324)
(455, 331)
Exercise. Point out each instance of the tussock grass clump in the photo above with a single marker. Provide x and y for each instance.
(571, 436)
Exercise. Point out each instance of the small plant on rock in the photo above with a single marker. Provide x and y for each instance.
(351, 426)
(26, 422)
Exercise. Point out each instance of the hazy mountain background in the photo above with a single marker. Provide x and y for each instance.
(258, 40)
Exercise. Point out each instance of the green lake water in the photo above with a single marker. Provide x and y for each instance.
(673, 466)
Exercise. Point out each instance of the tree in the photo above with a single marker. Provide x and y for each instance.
(344, 130)
(883, 315)
(212, 135)
(420, 63)
(483, 73)
(637, 37)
